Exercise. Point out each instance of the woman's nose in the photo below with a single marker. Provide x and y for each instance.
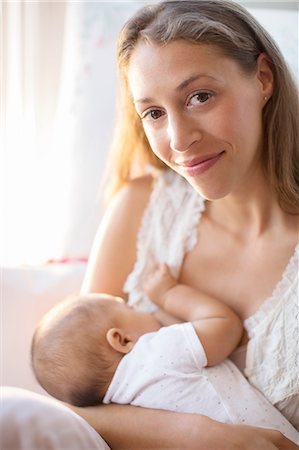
(182, 132)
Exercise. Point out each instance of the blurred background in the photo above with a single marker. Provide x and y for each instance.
(58, 90)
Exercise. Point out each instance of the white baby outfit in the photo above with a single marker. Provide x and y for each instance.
(168, 231)
(165, 370)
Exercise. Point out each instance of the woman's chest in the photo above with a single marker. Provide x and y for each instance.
(242, 276)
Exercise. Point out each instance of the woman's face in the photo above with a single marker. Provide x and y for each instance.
(201, 114)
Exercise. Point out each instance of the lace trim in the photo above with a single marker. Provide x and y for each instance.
(290, 273)
(133, 281)
(192, 235)
(276, 325)
(272, 353)
(168, 230)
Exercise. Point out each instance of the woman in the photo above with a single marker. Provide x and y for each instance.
(208, 120)
(206, 91)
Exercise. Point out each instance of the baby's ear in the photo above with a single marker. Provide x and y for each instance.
(119, 340)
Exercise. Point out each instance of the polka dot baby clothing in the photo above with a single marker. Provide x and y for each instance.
(166, 370)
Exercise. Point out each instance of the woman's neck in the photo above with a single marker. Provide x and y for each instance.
(251, 213)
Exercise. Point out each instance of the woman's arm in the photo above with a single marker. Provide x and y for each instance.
(132, 428)
(113, 252)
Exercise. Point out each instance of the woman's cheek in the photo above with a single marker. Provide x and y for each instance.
(158, 144)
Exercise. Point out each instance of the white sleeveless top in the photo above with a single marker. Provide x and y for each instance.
(168, 231)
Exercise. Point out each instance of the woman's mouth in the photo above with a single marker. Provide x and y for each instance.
(198, 166)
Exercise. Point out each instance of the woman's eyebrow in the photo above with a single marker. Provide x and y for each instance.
(190, 80)
(180, 87)
(144, 100)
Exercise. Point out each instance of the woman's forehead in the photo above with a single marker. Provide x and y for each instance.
(175, 51)
(175, 65)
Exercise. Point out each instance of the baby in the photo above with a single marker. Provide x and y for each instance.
(80, 342)
(97, 349)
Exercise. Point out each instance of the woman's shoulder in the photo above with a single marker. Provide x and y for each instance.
(132, 198)
(136, 190)
(117, 235)
(162, 185)
(143, 182)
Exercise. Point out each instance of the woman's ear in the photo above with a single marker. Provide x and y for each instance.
(265, 75)
(119, 340)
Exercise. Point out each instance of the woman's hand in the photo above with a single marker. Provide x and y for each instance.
(242, 437)
(126, 427)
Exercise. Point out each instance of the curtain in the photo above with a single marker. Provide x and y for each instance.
(57, 109)
(34, 169)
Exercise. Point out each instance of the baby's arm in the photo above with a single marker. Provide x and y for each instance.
(217, 326)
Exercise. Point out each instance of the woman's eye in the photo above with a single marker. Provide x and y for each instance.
(200, 97)
(153, 114)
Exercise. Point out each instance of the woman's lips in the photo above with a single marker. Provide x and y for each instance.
(197, 166)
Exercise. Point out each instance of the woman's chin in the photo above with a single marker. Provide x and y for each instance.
(209, 192)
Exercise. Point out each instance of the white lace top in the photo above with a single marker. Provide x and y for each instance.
(169, 230)
(272, 361)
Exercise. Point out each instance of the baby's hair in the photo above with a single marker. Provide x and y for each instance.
(69, 351)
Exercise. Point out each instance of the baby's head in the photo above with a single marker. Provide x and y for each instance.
(78, 344)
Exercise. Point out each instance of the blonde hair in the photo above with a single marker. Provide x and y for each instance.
(70, 354)
(233, 30)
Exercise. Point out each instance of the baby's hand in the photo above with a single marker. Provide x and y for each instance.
(158, 284)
